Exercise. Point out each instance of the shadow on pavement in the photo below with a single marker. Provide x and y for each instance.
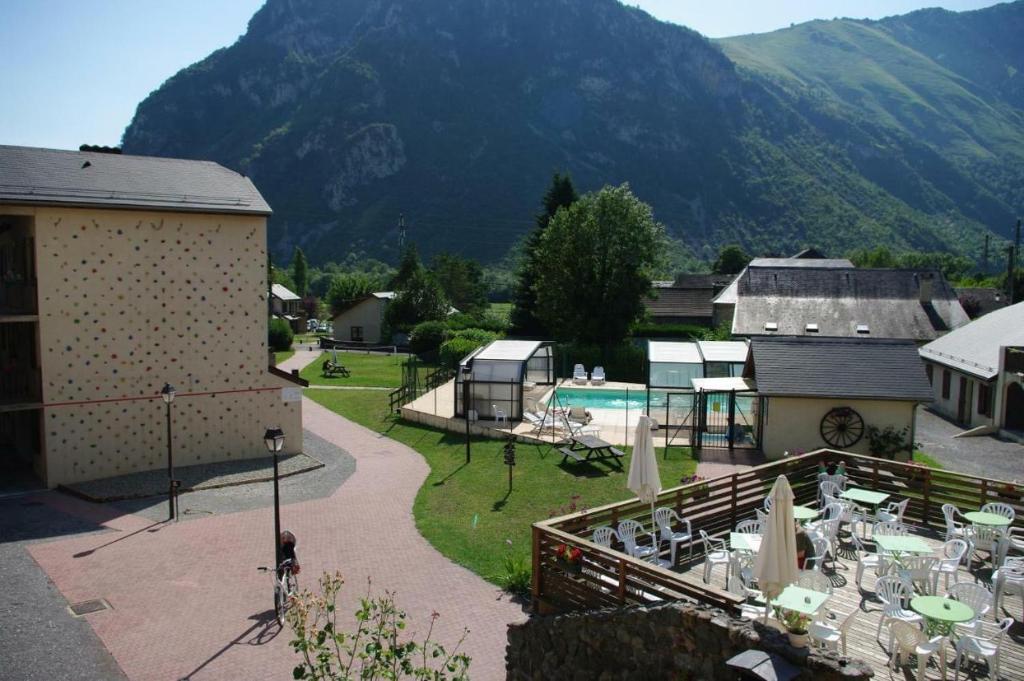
(263, 630)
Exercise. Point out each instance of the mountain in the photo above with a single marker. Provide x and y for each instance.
(456, 112)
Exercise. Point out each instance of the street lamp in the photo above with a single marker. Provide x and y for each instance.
(467, 375)
(168, 396)
(274, 439)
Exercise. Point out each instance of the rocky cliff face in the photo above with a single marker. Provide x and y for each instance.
(456, 112)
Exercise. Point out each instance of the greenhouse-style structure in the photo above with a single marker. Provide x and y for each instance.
(494, 377)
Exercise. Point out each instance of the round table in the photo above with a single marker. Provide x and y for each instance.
(803, 514)
(985, 518)
(940, 614)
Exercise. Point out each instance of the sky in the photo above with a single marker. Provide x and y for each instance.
(73, 71)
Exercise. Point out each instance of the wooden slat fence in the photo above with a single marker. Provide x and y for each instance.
(609, 577)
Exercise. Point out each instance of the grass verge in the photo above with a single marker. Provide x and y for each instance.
(282, 356)
(366, 370)
(466, 510)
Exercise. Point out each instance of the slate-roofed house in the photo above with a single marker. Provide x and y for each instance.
(287, 305)
(120, 274)
(687, 300)
(724, 303)
(917, 305)
(977, 371)
(363, 321)
(827, 392)
(979, 301)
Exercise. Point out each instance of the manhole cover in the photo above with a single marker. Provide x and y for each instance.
(87, 607)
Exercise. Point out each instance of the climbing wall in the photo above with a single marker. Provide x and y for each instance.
(129, 301)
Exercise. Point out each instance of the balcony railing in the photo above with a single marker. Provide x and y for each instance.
(610, 577)
(19, 385)
(18, 298)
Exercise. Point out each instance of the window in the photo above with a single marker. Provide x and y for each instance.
(357, 333)
(771, 326)
(946, 378)
(812, 328)
(863, 328)
(985, 399)
(930, 371)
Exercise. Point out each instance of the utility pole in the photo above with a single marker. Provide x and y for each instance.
(1011, 274)
(984, 256)
(1016, 246)
(401, 232)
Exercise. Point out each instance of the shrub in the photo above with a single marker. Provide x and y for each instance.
(488, 321)
(280, 335)
(517, 578)
(887, 442)
(426, 337)
(454, 349)
(377, 649)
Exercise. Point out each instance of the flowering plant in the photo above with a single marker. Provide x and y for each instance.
(795, 622)
(568, 554)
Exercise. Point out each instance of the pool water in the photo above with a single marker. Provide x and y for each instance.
(602, 399)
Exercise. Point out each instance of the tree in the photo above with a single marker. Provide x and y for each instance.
(300, 274)
(347, 289)
(409, 265)
(731, 260)
(523, 318)
(421, 299)
(594, 265)
(462, 280)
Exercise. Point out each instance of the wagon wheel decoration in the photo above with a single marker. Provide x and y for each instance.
(842, 427)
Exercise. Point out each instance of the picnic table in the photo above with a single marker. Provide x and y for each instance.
(799, 599)
(587, 447)
(864, 496)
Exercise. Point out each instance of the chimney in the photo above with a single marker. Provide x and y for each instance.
(925, 286)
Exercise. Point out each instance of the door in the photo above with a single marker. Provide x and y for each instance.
(1015, 407)
(963, 401)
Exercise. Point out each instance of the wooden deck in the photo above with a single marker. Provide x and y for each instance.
(861, 640)
(611, 578)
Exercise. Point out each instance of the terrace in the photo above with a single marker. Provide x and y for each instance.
(609, 577)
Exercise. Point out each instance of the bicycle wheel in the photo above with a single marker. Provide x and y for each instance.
(280, 602)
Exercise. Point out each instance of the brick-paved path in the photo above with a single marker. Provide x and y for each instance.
(188, 601)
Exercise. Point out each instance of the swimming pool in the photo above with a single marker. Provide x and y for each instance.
(602, 399)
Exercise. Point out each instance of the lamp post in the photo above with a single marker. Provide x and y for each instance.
(467, 374)
(274, 439)
(167, 393)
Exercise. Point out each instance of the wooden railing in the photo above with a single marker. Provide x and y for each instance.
(437, 378)
(609, 577)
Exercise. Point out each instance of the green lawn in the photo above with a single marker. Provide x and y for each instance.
(282, 356)
(367, 370)
(926, 460)
(465, 510)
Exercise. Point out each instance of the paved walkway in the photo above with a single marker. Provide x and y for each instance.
(984, 455)
(718, 462)
(188, 602)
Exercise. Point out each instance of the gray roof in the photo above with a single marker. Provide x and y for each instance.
(849, 368)
(729, 294)
(83, 178)
(974, 349)
(982, 299)
(282, 292)
(883, 303)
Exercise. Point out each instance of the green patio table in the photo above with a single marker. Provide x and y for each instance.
(745, 542)
(896, 544)
(940, 613)
(799, 599)
(803, 514)
(985, 518)
(864, 496)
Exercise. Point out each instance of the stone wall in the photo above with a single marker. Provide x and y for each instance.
(672, 641)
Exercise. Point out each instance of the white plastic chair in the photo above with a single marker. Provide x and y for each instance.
(984, 538)
(1009, 578)
(748, 611)
(820, 545)
(597, 376)
(715, 553)
(999, 508)
(977, 598)
(749, 527)
(956, 529)
(893, 593)
(893, 512)
(603, 536)
(828, 636)
(762, 517)
(910, 640)
(768, 504)
(891, 529)
(866, 560)
(971, 647)
(499, 414)
(827, 487)
(579, 374)
(815, 581)
(628, 532)
(663, 518)
(919, 573)
(952, 554)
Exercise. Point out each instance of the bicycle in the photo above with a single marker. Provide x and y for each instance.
(286, 585)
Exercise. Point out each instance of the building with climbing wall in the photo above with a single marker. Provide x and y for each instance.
(119, 274)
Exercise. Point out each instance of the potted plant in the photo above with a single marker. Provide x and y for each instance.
(699, 491)
(796, 626)
(570, 558)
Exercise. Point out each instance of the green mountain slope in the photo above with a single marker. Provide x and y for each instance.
(455, 112)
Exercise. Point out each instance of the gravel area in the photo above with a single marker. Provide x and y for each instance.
(200, 477)
(40, 640)
(335, 467)
(984, 456)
